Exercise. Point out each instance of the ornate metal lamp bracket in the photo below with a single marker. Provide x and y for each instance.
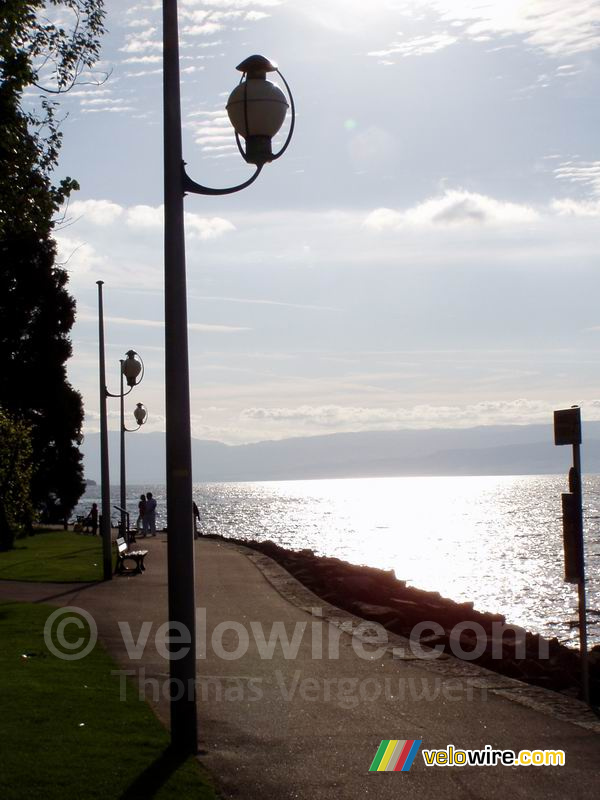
(196, 188)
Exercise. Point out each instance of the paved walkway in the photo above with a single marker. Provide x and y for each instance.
(308, 726)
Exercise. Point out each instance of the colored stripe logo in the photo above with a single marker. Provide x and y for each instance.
(395, 755)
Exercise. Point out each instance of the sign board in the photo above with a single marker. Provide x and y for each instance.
(567, 426)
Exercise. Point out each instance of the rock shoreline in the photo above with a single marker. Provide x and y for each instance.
(377, 595)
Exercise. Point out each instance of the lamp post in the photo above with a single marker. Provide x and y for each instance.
(140, 414)
(132, 369)
(257, 109)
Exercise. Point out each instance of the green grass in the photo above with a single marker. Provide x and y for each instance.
(53, 556)
(66, 733)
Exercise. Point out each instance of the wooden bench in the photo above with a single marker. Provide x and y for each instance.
(124, 554)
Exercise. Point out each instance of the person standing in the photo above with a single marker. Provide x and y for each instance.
(93, 519)
(197, 533)
(150, 515)
(141, 513)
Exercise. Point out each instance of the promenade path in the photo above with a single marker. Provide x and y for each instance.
(308, 727)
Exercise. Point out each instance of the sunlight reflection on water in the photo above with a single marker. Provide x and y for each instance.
(496, 541)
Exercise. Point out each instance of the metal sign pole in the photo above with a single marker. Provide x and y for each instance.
(567, 430)
(583, 644)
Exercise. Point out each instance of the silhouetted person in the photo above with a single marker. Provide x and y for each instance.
(92, 519)
(150, 515)
(196, 520)
(141, 513)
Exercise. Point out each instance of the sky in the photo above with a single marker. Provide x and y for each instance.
(425, 254)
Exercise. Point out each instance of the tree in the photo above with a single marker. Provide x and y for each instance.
(36, 309)
(15, 477)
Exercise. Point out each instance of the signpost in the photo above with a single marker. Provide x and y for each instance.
(567, 430)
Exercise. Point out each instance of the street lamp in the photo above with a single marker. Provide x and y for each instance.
(141, 417)
(257, 109)
(132, 369)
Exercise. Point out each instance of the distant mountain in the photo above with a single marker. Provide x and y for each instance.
(493, 450)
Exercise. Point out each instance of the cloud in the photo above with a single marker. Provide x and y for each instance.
(102, 101)
(206, 227)
(567, 71)
(74, 253)
(138, 23)
(190, 4)
(348, 17)
(202, 21)
(456, 207)
(417, 46)
(255, 301)
(552, 27)
(88, 92)
(582, 173)
(141, 41)
(419, 417)
(104, 212)
(206, 29)
(577, 208)
(143, 60)
(219, 149)
(201, 326)
(97, 101)
(211, 129)
(142, 73)
(586, 176)
(145, 216)
(107, 109)
(153, 323)
(210, 114)
(98, 212)
(197, 227)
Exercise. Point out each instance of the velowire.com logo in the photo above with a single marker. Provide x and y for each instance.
(395, 755)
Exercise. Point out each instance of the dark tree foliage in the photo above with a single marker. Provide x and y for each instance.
(36, 310)
(15, 478)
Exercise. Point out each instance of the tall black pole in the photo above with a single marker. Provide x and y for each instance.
(123, 499)
(104, 469)
(180, 549)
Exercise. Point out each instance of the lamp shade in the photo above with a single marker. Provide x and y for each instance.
(257, 109)
(140, 414)
(132, 367)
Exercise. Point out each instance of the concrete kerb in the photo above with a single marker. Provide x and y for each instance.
(446, 666)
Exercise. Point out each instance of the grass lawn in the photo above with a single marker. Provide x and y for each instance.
(66, 733)
(53, 556)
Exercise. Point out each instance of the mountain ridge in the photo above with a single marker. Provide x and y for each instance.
(491, 450)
